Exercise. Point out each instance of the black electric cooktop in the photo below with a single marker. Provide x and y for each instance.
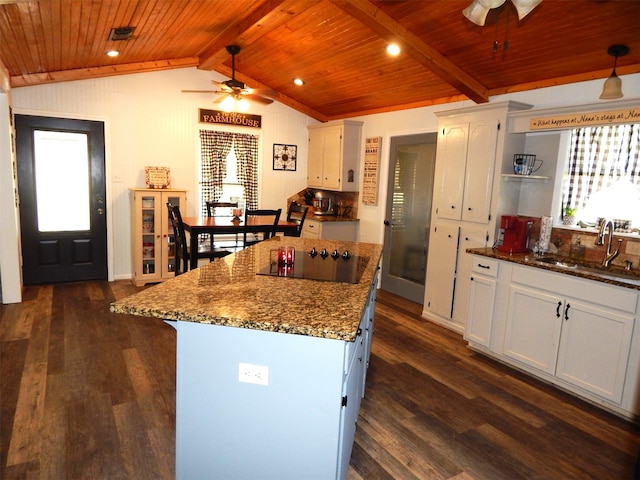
(343, 267)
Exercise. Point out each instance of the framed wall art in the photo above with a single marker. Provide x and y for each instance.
(285, 157)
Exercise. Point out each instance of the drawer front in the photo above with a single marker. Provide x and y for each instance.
(484, 266)
(311, 229)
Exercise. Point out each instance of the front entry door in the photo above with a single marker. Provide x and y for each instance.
(61, 182)
(412, 160)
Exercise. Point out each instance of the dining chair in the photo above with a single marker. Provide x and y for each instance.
(182, 249)
(260, 234)
(296, 214)
(212, 211)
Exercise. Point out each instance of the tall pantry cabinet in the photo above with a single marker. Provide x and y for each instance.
(153, 244)
(473, 152)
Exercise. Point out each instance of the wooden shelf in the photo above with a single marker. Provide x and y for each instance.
(513, 176)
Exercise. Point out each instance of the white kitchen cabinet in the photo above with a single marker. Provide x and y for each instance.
(334, 155)
(153, 245)
(473, 151)
(576, 330)
(464, 175)
(482, 293)
(327, 230)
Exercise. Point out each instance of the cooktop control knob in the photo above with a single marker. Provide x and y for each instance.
(335, 254)
(346, 255)
(313, 252)
(324, 253)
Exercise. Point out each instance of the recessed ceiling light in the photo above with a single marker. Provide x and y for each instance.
(393, 49)
(113, 53)
(298, 81)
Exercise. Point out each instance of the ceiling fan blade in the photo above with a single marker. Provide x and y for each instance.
(199, 91)
(258, 98)
(262, 91)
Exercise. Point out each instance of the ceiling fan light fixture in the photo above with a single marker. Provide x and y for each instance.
(524, 7)
(612, 87)
(243, 105)
(227, 104)
(478, 9)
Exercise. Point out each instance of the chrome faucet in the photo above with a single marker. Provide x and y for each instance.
(608, 255)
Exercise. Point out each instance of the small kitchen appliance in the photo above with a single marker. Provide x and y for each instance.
(516, 234)
(324, 203)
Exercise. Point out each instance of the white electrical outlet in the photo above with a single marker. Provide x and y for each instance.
(258, 374)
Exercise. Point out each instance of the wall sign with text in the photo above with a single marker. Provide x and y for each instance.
(371, 169)
(229, 118)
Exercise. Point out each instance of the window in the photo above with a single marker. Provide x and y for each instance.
(228, 168)
(602, 178)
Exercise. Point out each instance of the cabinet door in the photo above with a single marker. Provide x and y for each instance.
(478, 182)
(315, 158)
(594, 349)
(482, 293)
(533, 327)
(441, 270)
(332, 165)
(470, 237)
(451, 157)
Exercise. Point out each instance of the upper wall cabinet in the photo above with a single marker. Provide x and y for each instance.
(464, 170)
(334, 155)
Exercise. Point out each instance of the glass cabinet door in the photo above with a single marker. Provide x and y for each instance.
(150, 228)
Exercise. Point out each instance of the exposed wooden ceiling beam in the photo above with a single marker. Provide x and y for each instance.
(247, 30)
(97, 72)
(385, 26)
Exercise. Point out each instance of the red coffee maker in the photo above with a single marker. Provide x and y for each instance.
(516, 234)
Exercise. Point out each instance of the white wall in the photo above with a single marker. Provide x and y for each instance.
(150, 122)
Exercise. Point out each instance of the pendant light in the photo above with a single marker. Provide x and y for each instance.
(612, 88)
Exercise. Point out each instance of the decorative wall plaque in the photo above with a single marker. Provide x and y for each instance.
(157, 177)
(285, 157)
(371, 168)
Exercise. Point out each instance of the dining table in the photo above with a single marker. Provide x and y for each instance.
(197, 226)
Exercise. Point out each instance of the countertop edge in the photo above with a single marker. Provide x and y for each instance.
(525, 259)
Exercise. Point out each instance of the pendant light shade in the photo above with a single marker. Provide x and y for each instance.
(612, 88)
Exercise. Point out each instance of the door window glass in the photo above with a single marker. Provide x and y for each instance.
(62, 177)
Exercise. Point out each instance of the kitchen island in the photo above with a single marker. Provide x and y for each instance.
(270, 369)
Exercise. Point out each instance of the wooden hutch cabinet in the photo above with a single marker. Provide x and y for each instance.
(153, 247)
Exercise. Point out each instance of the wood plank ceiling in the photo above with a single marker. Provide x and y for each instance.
(336, 46)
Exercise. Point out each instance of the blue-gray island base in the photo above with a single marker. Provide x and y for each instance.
(265, 389)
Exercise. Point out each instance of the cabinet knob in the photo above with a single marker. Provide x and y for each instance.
(453, 206)
(469, 208)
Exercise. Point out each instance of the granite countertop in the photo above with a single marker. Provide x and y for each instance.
(228, 292)
(612, 276)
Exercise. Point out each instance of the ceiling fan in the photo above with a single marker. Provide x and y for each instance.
(233, 93)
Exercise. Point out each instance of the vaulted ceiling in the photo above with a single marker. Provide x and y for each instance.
(336, 46)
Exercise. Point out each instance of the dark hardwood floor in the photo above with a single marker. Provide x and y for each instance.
(86, 394)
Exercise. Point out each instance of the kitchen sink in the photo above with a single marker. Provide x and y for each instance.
(587, 268)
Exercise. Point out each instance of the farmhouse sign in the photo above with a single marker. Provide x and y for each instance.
(229, 118)
(610, 117)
